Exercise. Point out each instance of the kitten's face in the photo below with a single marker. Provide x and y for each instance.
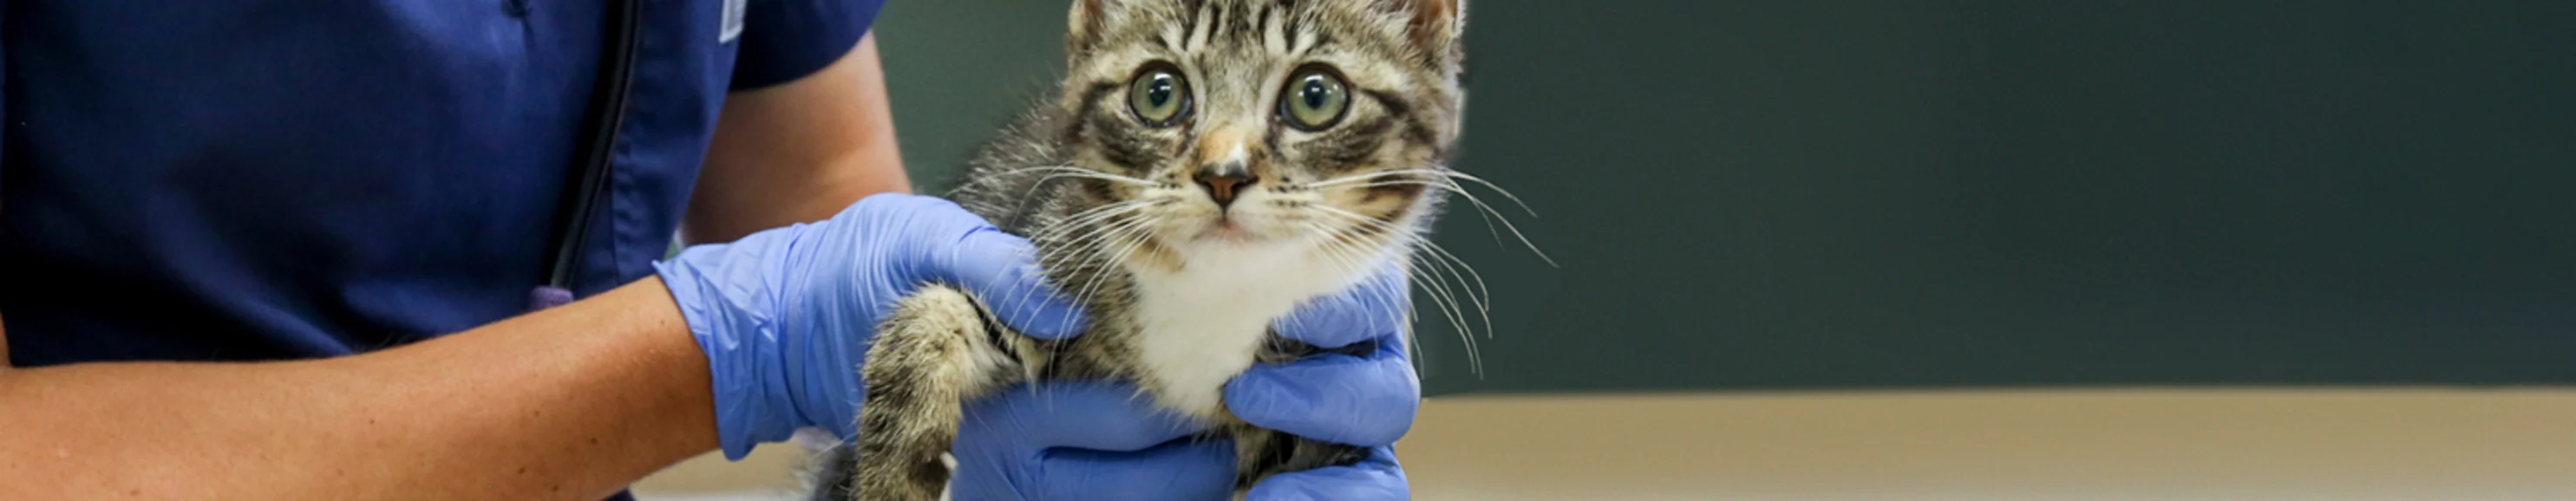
(1303, 128)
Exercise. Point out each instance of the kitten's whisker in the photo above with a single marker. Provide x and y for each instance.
(1084, 175)
(1335, 246)
(1483, 311)
(1125, 239)
(1447, 179)
(1051, 260)
(1438, 285)
(1484, 303)
(1100, 283)
(1074, 220)
(1129, 233)
(1080, 220)
(1432, 171)
(1434, 268)
(1448, 307)
(1346, 253)
(1067, 171)
(1084, 219)
(1110, 234)
(1480, 204)
(1069, 168)
(1444, 300)
(1103, 216)
(1480, 295)
(1483, 213)
(1354, 178)
(1101, 222)
(1516, 199)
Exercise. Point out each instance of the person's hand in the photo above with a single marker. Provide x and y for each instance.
(1367, 400)
(785, 316)
(1099, 440)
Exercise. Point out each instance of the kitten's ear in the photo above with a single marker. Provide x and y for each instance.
(1435, 25)
(1083, 29)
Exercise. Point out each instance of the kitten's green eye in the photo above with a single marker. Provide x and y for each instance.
(1315, 100)
(1159, 96)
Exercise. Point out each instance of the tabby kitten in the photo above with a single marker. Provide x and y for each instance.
(1208, 165)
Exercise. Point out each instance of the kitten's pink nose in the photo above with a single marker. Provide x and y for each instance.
(1222, 181)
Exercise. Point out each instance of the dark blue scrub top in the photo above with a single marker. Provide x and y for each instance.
(275, 179)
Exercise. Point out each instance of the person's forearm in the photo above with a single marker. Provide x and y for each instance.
(571, 403)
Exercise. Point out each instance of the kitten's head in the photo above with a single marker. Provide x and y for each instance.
(1293, 129)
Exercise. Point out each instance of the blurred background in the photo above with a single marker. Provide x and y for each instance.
(1955, 249)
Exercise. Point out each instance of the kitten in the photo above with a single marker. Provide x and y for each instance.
(1208, 165)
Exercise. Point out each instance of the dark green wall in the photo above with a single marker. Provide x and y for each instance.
(1800, 194)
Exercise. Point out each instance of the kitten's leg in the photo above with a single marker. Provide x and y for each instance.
(1260, 453)
(832, 470)
(937, 350)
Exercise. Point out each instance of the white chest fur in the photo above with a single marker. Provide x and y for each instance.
(1205, 323)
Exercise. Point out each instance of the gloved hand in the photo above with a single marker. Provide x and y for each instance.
(785, 315)
(1098, 440)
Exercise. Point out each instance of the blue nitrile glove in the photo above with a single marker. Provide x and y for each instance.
(785, 315)
(1099, 440)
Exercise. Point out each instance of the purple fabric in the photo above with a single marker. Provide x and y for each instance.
(546, 296)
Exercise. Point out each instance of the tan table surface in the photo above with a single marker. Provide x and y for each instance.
(2392, 444)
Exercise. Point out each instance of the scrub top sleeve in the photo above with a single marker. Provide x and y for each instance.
(783, 40)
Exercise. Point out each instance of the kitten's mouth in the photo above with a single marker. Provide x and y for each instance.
(1226, 229)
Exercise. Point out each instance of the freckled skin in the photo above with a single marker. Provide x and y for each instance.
(1180, 289)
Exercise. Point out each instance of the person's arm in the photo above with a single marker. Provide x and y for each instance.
(798, 152)
(570, 403)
